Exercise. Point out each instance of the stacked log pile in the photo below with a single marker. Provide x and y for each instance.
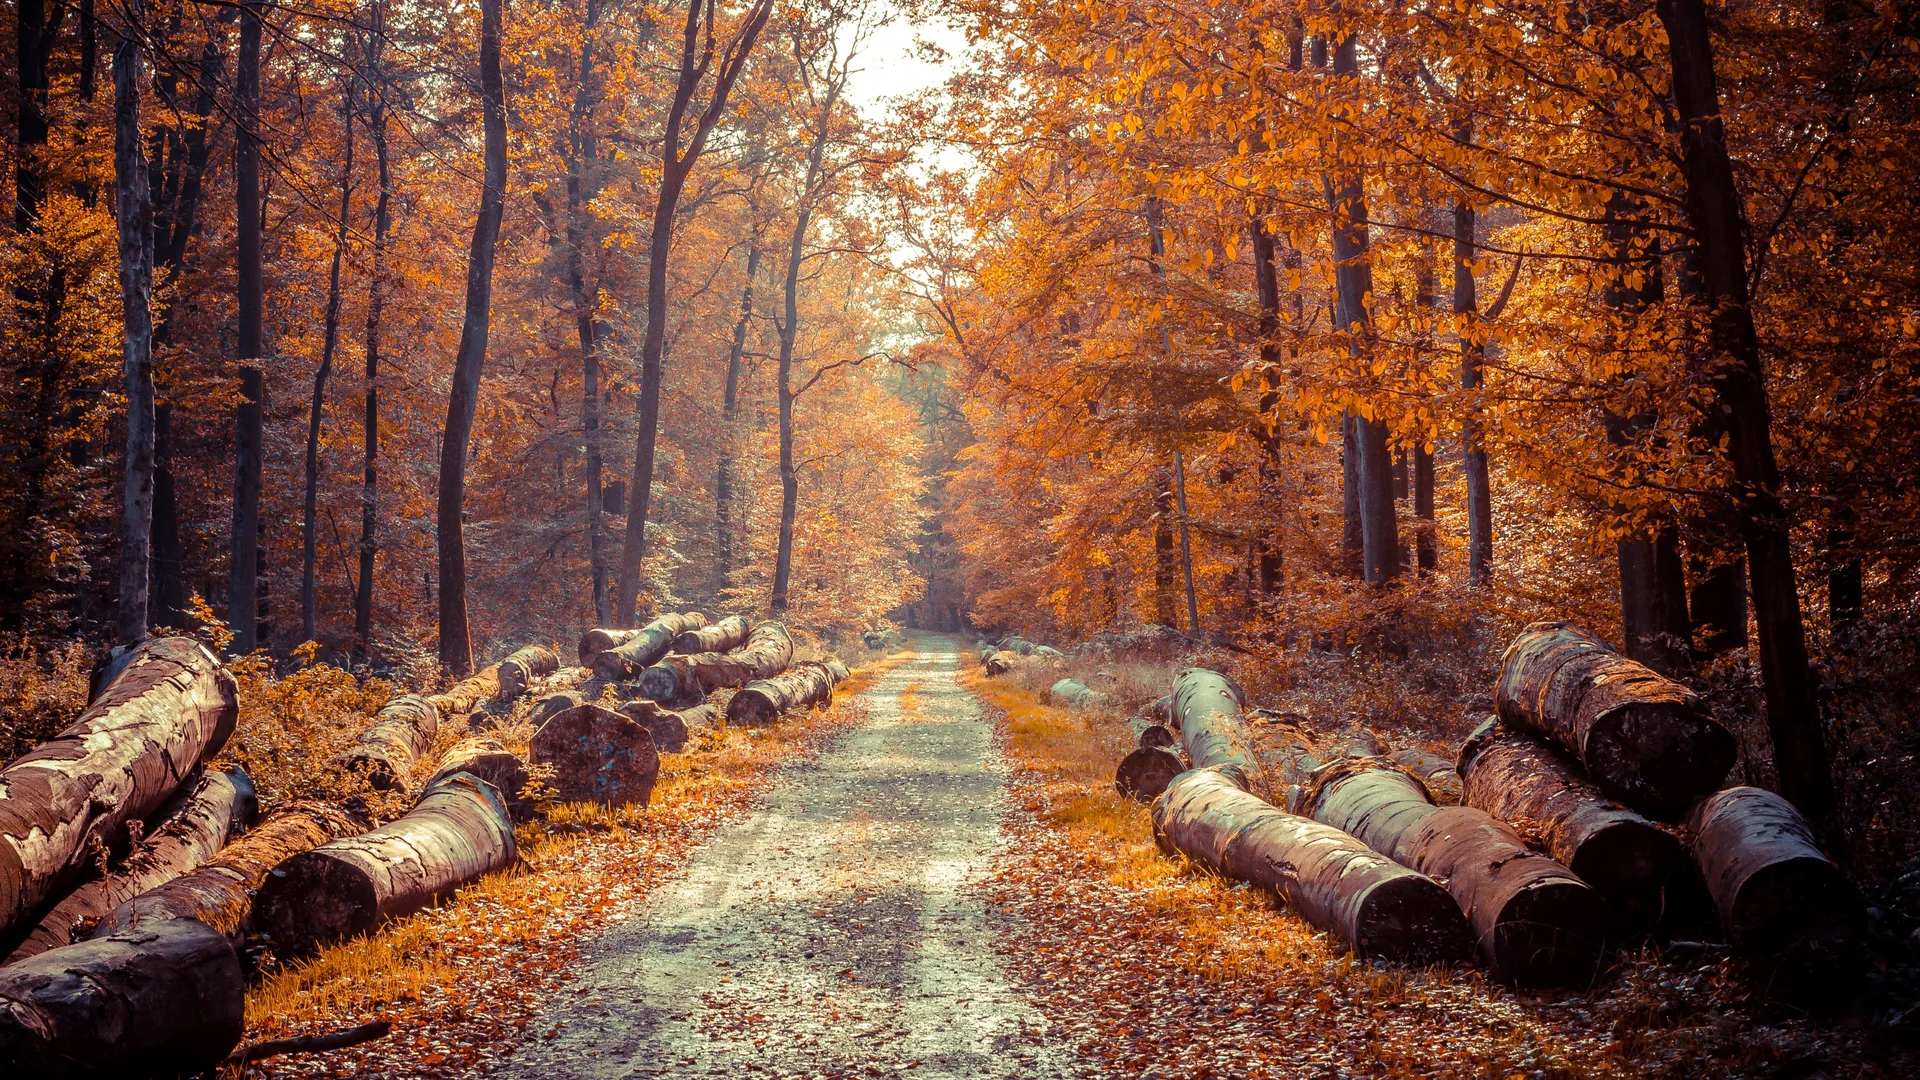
(637, 649)
(806, 684)
(677, 681)
(401, 732)
(727, 634)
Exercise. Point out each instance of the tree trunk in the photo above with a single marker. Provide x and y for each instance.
(1642, 738)
(38, 30)
(488, 760)
(762, 701)
(1472, 354)
(678, 679)
(457, 831)
(1072, 693)
(220, 893)
(1534, 923)
(1145, 773)
(385, 753)
(598, 756)
(243, 588)
(1163, 601)
(1518, 777)
(1717, 604)
(1426, 544)
(469, 693)
(196, 824)
(1270, 567)
(582, 154)
(729, 415)
(629, 652)
(169, 707)
(169, 603)
(133, 210)
(1715, 211)
(316, 411)
(456, 646)
(729, 633)
(376, 305)
(669, 728)
(1327, 877)
(161, 1000)
(1207, 711)
(519, 671)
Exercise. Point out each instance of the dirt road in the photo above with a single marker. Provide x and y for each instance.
(833, 932)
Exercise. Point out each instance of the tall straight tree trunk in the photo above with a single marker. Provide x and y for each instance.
(37, 30)
(456, 645)
(376, 303)
(1466, 312)
(1719, 224)
(582, 155)
(729, 416)
(133, 211)
(1164, 609)
(89, 51)
(1269, 568)
(1716, 561)
(243, 589)
(1427, 551)
(168, 603)
(316, 412)
(676, 164)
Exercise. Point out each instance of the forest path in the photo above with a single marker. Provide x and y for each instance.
(833, 931)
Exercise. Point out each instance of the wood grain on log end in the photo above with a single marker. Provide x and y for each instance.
(1156, 735)
(598, 756)
(1143, 775)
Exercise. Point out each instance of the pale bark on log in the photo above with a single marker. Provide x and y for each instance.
(762, 701)
(598, 756)
(701, 719)
(1785, 905)
(999, 662)
(1144, 774)
(687, 679)
(162, 1000)
(1534, 922)
(1207, 709)
(645, 646)
(668, 727)
(1440, 776)
(457, 831)
(1640, 737)
(1072, 693)
(1015, 644)
(170, 707)
(487, 759)
(220, 893)
(519, 671)
(599, 640)
(402, 730)
(1520, 778)
(469, 693)
(1330, 879)
(728, 633)
(198, 823)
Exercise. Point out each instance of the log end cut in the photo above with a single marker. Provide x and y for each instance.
(598, 756)
(1549, 934)
(1143, 775)
(1411, 917)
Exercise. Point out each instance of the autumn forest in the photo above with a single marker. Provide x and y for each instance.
(1193, 419)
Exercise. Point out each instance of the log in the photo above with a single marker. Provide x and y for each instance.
(162, 1000)
(1534, 923)
(596, 641)
(469, 693)
(220, 893)
(1155, 735)
(1074, 694)
(702, 718)
(1788, 909)
(199, 822)
(1159, 711)
(457, 831)
(598, 756)
(1640, 737)
(669, 728)
(1437, 773)
(762, 701)
(1330, 879)
(999, 662)
(646, 646)
(1014, 643)
(1144, 774)
(488, 760)
(171, 706)
(311, 1044)
(1518, 777)
(1207, 709)
(402, 730)
(728, 633)
(1048, 652)
(554, 704)
(686, 679)
(519, 671)
(836, 670)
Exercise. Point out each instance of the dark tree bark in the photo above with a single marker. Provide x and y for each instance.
(598, 756)
(458, 831)
(169, 592)
(1472, 355)
(623, 654)
(1270, 566)
(169, 707)
(1145, 773)
(376, 304)
(697, 59)
(456, 646)
(316, 411)
(133, 212)
(246, 553)
(89, 51)
(582, 162)
(686, 679)
(729, 416)
(1164, 611)
(1718, 219)
(38, 28)
(401, 732)
(729, 633)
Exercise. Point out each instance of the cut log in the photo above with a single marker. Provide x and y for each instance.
(702, 718)
(1330, 879)
(1639, 736)
(457, 831)
(1155, 735)
(519, 671)
(220, 893)
(1789, 910)
(668, 727)
(1143, 775)
(1534, 923)
(598, 756)
(1207, 709)
(161, 1000)
(999, 662)
(646, 645)
(197, 823)
(1048, 652)
(1159, 711)
(596, 641)
(171, 706)
(1437, 773)
(1074, 694)
(554, 704)
(684, 680)
(836, 670)
(1014, 643)
(762, 701)
(728, 633)
(470, 693)
(1519, 777)
(488, 760)
(401, 732)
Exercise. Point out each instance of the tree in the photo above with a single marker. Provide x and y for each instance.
(377, 287)
(316, 410)
(133, 210)
(248, 555)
